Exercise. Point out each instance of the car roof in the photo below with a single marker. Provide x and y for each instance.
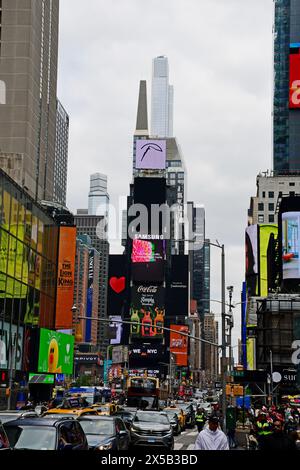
(36, 422)
(97, 417)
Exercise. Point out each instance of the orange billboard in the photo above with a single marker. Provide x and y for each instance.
(179, 344)
(65, 278)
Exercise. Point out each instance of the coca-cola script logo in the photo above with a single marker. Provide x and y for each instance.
(117, 284)
(147, 289)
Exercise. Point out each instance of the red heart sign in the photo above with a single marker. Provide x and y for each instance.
(117, 284)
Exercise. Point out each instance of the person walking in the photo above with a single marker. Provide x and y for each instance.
(200, 419)
(212, 438)
(231, 426)
(278, 440)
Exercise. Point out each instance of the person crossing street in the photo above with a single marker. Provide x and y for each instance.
(200, 419)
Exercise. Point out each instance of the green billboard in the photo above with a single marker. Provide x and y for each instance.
(41, 379)
(56, 352)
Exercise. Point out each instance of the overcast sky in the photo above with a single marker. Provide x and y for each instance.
(220, 59)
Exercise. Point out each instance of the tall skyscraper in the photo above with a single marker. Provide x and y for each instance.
(98, 196)
(286, 113)
(162, 99)
(61, 155)
(28, 67)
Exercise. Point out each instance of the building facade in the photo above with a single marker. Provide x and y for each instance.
(286, 120)
(28, 67)
(61, 155)
(162, 99)
(98, 196)
(211, 353)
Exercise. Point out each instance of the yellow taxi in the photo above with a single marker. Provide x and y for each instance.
(74, 406)
(105, 409)
(181, 415)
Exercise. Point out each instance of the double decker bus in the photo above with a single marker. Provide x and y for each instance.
(143, 392)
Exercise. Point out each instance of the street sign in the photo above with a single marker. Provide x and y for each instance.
(218, 385)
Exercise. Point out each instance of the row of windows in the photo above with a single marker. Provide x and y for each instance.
(261, 219)
(261, 206)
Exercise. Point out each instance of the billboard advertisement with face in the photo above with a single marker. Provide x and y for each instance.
(294, 98)
(117, 328)
(147, 260)
(65, 278)
(290, 245)
(56, 352)
(150, 155)
(147, 308)
(179, 344)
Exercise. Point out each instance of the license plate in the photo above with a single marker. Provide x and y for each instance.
(151, 440)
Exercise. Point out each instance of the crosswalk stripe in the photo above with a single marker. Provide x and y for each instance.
(193, 433)
(177, 446)
(191, 447)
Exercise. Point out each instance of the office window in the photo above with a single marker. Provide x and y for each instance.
(271, 207)
(292, 193)
(260, 206)
(271, 218)
(291, 184)
(261, 219)
(280, 194)
(271, 194)
(264, 194)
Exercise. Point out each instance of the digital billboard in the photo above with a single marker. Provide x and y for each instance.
(294, 95)
(178, 287)
(148, 258)
(151, 154)
(147, 308)
(290, 245)
(265, 233)
(65, 278)
(56, 352)
(179, 344)
(8, 334)
(252, 259)
(145, 354)
(116, 292)
(118, 327)
(89, 300)
(251, 353)
(148, 191)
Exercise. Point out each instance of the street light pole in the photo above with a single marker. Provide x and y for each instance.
(223, 362)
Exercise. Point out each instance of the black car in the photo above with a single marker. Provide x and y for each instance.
(174, 421)
(152, 428)
(46, 434)
(126, 415)
(4, 442)
(105, 432)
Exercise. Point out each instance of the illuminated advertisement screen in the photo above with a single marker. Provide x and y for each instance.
(41, 379)
(147, 259)
(290, 245)
(143, 354)
(265, 233)
(251, 353)
(116, 292)
(179, 344)
(118, 328)
(147, 308)
(178, 287)
(294, 95)
(150, 155)
(56, 352)
(149, 191)
(65, 278)
(252, 259)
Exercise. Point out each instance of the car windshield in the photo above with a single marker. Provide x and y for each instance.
(97, 426)
(7, 417)
(151, 418)
(31, 437)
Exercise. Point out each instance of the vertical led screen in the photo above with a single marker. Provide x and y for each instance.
(179, 344)
(251, 354)
(89, 300)
(116, 293)
(290, 245)
(294, 99)
(147, 309)
(148, 258)
(265, 232)
(252, 259)
(117, 328)
(178, 287)
(65, 278)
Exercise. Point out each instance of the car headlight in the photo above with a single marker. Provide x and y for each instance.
(105, 446)
(134, 429)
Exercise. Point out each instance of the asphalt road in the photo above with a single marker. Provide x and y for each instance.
(186, 440)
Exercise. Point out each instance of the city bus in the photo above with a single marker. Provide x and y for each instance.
(143, 392)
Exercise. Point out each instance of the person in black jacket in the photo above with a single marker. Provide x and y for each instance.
(278, 440)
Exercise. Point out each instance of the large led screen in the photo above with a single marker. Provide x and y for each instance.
(149, 191)
(56, 352)
(252, 259)
(148, 258)
(265, 233)
(118, 328)
(142, 354)
(178, 287)
(116, 292)
(294, 98)
(179, 344)
(290, 245)
(150, 155)
(147, 309)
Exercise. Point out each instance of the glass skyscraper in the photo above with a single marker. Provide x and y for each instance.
(286, 121)
(162, 99)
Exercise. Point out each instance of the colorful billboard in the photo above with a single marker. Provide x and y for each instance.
(251, 353)
(178, 287)
(290, 245)
(65, 278)
(116, 293)
(56, 352)
(179, 344)
(294, 97)
(252, 259)
(265, 232)
(89, 300)
(147, 308)
(147, 259)
(150, 155)
(11, 334)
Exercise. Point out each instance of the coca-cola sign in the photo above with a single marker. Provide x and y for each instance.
(148, 296)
